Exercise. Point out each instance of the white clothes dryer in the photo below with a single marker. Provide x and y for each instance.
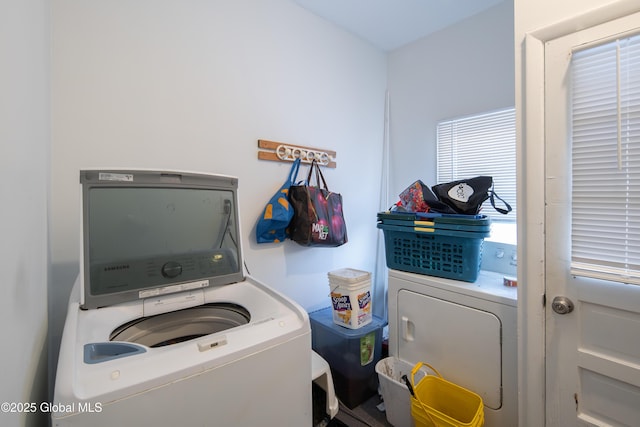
(163, 328)
(467, 331)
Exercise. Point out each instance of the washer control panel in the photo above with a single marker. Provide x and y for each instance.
(157, 272)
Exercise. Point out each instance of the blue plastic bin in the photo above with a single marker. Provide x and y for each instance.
(352, 355)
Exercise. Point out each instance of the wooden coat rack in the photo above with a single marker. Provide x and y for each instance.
(281, 152)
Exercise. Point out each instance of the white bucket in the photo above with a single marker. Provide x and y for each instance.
(351, 297)
(395, 394)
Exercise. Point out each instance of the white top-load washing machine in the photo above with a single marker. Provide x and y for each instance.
(163, 328)
(467, 331)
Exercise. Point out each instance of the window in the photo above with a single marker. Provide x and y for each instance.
(483, 144)
(605, 171)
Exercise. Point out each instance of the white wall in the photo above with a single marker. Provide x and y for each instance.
(464, 69)
(192, 85)
(24, 172)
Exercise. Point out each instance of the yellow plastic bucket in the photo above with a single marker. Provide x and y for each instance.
(440, 403)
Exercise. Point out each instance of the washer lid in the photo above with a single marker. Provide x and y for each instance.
(149, 233)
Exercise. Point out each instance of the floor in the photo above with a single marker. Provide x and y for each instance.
(367, 414)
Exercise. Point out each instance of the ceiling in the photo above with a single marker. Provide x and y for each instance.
(390, 24)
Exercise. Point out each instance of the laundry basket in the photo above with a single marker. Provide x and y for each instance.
(439, 403)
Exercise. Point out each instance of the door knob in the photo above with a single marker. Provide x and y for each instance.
(562, 305)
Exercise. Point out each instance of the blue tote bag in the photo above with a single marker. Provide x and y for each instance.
(273, 225)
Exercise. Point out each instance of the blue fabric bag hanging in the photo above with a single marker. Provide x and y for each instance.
(273, 225)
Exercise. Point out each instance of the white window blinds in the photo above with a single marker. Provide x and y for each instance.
(605, 136)
(483, 144)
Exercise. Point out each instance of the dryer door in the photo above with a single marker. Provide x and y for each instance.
(462, 343)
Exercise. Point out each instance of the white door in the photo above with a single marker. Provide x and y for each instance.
(593, 351)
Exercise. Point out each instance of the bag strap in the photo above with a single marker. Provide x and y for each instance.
(319, 172)
(310, 171)
(493, 196)
(315, 166)
(293, 173)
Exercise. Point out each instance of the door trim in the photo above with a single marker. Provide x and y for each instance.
(530, 128)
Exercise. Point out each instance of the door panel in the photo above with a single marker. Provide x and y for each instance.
(599, 335)
(592, 353)
(463, 343)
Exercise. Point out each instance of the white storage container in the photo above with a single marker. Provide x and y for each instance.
(396, 396)
(351, 297)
